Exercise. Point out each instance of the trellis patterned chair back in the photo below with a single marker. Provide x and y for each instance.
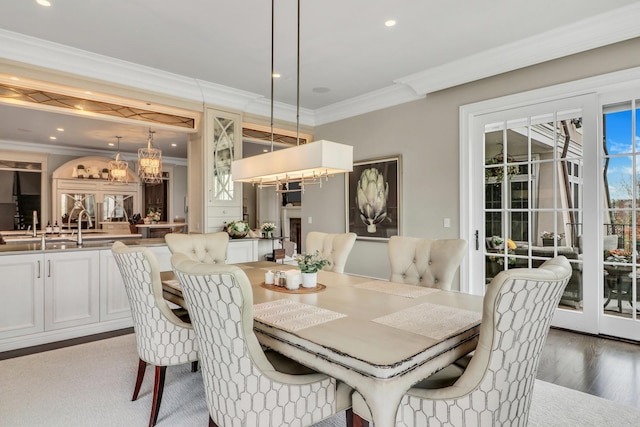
(496, 387)
(242, 387)
(162, 338)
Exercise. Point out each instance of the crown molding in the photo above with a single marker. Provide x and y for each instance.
(372, 101)
(281, 111)
(34, 147)
(614, 26)
(608, 28)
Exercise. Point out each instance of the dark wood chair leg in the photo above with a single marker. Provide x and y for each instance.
(211, 423)
(158, 388)
(142, 368)
(194, 366)
(349, 415)
(359, 422)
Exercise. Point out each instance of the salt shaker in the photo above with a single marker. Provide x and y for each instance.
(268, 277)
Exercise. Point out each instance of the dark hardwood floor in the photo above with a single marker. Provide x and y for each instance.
(60, 344)
(600, 366)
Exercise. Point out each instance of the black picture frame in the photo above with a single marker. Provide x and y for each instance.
(366, 220)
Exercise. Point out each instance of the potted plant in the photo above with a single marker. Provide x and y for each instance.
(549, 238)
(237, 229)
(309, 265)
(267, 228)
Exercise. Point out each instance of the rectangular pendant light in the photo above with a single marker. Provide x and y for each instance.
(315, 159)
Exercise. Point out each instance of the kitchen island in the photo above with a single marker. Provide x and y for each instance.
(66, 290)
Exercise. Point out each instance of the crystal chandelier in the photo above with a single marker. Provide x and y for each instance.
(150, 162)
(118, 169)
(305, 164)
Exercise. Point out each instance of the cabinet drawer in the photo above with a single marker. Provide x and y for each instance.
(225, 211)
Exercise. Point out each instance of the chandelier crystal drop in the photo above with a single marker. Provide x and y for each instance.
(150, 162)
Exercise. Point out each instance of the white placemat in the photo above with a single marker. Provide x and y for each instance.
(291, 315)
(431, 320)
(399, 289)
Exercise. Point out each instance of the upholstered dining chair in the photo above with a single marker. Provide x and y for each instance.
(496, 386)
(244, 384)
(333, 247)
(162, 338)
(425, 262)
(207, 247)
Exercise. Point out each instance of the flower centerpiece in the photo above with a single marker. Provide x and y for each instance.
(309, 265)
(237, 229)
(549, 238)
(268, 228)
(618, 255)
(153, 216)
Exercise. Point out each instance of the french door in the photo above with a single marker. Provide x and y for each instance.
(620, 214)
(535, 192)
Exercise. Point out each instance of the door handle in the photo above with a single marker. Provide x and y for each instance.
(477, 240)
(39, 274)
(49, 268)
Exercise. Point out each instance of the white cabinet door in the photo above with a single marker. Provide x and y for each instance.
(71, 289)
(114, 303)
(22, 293)
(223, 143)
(163, 255)
(242, 251)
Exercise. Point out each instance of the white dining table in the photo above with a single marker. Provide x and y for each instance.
(376, 336)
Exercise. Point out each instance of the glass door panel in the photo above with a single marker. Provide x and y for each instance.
(621, 216)
(534, 207)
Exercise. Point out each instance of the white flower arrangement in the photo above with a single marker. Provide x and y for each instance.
(154, 215)
(311, 263)
(268, 226)
(237, 229)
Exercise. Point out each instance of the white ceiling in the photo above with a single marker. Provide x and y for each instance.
(346, 51)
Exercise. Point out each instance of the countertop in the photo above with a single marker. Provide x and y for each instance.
(53, 246)
(12, 239)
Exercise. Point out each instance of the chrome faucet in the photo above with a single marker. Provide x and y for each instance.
(82, 212)
(35, 223)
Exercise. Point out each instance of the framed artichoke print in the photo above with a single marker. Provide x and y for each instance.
(373, 198)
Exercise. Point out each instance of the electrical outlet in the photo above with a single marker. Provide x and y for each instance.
(309, 220)
(446, 223)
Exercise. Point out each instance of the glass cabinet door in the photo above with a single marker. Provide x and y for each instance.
(223, 147)
(117, 207)
(70, 207)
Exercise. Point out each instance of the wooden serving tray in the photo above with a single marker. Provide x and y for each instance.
(319, 287)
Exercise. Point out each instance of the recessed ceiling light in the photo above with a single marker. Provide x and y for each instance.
(265, 151)
(46, 3)
(174, 144)
(276, 75)
(111, 144)
(53, 138)
(60, 129)
(390, 23)
(86, 92)
(15, 79)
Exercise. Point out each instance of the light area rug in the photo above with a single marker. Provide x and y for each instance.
(91, 385)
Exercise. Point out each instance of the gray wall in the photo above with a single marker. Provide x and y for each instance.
(426, 134)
